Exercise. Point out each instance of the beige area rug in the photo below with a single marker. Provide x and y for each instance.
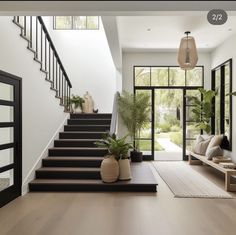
(185, 182)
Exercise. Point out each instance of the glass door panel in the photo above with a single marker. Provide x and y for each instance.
(191, 131)
(168, 124)
(146, 135)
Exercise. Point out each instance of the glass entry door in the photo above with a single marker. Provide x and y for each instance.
(168, 137)
(147, 133)
(10, 138)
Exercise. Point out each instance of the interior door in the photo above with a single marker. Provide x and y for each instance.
(10, 137)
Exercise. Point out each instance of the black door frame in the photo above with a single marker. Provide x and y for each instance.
(153, 88)
(13, 191)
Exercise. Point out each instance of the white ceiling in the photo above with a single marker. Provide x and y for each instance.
(164, 32)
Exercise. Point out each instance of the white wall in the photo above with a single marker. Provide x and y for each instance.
(86, 57)
(41, 112)
(221, 54)
(131, 59)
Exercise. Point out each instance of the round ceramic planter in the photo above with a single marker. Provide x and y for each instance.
(109, 169)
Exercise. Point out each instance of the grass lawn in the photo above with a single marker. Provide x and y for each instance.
(146, 146)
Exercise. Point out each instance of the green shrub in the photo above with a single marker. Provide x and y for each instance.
(177, 138)
(171, 119)
(164, 127)
(175, 128)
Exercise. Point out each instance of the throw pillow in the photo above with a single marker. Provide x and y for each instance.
(213, 152)
(215, 141)
(201, 145)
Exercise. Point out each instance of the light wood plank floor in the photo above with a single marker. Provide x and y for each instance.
(120, 213)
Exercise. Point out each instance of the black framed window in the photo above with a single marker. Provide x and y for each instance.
(150, 79)
(167, 76)
(222, 84)
(76, 22)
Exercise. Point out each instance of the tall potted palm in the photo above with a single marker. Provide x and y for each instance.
(134, 110)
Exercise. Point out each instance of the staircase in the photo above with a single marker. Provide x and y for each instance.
(73, 164)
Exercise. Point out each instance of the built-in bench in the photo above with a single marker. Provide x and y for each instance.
(196, 159)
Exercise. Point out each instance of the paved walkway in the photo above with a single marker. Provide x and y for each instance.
(168, 146)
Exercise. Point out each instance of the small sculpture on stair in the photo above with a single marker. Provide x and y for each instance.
(88, 104)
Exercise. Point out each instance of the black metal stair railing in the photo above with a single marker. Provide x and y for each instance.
(40, 43)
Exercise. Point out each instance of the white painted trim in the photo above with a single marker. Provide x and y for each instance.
(31, 175)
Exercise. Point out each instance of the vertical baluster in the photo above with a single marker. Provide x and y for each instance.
(59, 83)
(45, 52)
(69, 100)
(56, 74)
(67, 96)
(31, 33)
(53, 69)
(49, 62)
(64, 98)
(18, 19)
(41, 47)
(25, 25)
(36, 42)
(62, 88)
(65, 104)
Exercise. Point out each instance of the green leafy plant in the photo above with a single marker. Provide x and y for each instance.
(116, 147)
(77, 101)
(232, 93)
(202, 110)
(134, 110)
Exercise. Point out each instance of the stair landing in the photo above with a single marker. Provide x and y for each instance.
(142, 180)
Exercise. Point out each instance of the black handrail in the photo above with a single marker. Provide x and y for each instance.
(54, 49)
(40, 43)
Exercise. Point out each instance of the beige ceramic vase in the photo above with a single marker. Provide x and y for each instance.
(125, 171)
(109, 169)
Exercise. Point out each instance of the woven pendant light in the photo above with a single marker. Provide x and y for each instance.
(187, 56)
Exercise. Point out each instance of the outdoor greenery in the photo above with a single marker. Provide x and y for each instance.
(146, 146)
(202, 111)
(164, 76)
(76, 22)
(176, 137)
(233, 93)
(116, 147)
(134, 110)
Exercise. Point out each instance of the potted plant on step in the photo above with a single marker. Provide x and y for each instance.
(202, 109)
(116, 163)
(134, 110)
(77, 103)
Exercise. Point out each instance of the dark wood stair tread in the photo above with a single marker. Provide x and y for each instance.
(94, 119)
(71, 158)
(91, 125)
(65, 181)
(82, 132)
(77, 148)
(79, 140)
(69, 169)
